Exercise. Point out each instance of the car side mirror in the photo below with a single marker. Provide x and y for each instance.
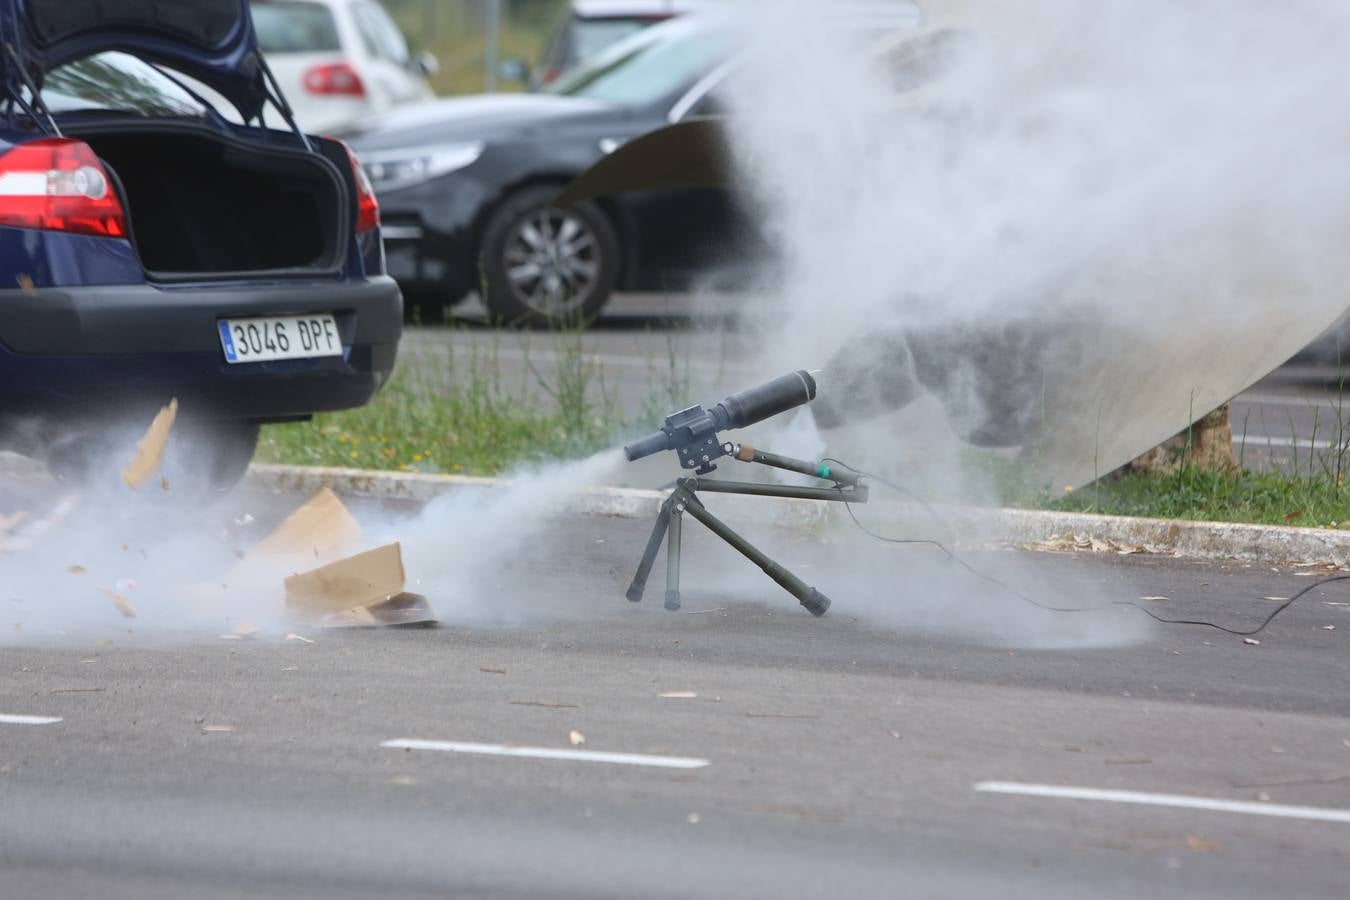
(426, 64)
(514, 69)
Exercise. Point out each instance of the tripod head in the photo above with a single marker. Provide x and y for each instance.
(692, 432)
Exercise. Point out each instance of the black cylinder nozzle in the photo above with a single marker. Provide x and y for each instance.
(816, 603)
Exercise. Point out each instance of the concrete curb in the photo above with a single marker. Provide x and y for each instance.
(1201, 540)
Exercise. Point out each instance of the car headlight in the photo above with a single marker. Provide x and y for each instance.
(391, 169)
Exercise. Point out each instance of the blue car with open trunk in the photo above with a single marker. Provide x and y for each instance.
(166, 231)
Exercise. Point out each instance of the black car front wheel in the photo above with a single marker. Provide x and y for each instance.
(548, 266)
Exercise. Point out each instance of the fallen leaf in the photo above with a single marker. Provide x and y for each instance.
(576, 737)
(1289, 517)
(77, 570)
(678, 695)
(492, 671)
(296, 637)
(1200, 845)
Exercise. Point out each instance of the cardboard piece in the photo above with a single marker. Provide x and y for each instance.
(322, 529)
(366, 579)
(150, 451)
(401, 610)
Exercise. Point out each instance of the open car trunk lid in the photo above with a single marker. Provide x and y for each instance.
(210, 40)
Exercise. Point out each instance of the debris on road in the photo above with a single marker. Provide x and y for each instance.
(492, 671)
(366, 579)
(124, 606)
(1061, 543)
(576, 738)
(1156, 598)
(76, 570)
(297, 637)
(1252, 641)
(150, 450)
(217, 729)
(678, 695)
(1200, 845)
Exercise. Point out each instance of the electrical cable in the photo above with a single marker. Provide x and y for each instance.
(1021, 596)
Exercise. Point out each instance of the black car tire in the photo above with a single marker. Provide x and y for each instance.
(225, 450)
(201, 457)
(586, 277)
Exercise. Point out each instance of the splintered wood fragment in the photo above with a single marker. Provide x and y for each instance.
(150, 451)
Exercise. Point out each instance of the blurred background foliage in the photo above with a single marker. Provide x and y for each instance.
(456, 32)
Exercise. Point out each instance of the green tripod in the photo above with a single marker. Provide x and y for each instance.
(847, 488)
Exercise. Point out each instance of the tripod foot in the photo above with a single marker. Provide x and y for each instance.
(635, 592)
(816, 603)
(673, 600)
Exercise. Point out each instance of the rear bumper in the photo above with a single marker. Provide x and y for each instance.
(72, 352)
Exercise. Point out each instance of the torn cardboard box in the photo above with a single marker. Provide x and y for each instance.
(365, 589)
(325, 582)
(323, 529)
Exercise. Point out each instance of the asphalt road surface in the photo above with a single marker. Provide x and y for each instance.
(650, 346)
(903, 745)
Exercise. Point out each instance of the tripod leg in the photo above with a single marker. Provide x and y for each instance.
(815, 602)
(644, 569)
(673, 560)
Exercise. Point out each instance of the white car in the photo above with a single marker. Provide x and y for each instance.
(339, 61)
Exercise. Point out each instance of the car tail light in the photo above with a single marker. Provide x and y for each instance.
(551, 76)
(58, 184)
(337, 79)
(367, 207)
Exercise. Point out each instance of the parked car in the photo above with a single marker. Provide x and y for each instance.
(589, 26)
(339, 61)
(467, 184)
(153, 246)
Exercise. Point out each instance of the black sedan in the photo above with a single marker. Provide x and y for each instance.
(466, 186)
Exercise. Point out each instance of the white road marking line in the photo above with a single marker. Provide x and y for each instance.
(624, 759)
(1258, 441)
(1315, 813)
(1321, 402)
(6, 719)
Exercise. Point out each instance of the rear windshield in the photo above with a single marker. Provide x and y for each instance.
(120, 82)
(204, 22)
(590, 36)
(290, 26)
(654, 65)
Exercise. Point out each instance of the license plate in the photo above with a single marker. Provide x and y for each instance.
(279, 337)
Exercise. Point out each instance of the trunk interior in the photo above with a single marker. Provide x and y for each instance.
(198, 204)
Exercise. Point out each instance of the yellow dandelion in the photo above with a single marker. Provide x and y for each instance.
(417, 457)
(456, 467)
(342, 439)
(1068, 489)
